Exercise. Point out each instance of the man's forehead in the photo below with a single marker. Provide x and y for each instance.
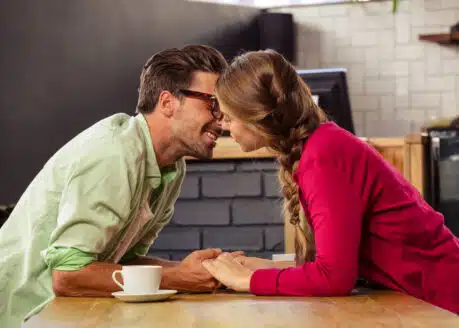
(204, 81)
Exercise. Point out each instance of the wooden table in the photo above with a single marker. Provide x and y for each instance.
(370, 310)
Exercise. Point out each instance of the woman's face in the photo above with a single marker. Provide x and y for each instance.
(245, 134)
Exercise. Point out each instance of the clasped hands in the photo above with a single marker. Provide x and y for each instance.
(234, 270)
(206, 270)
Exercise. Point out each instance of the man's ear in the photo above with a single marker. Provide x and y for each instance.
(167, 103)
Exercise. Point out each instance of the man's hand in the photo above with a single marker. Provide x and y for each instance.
(201, 255)
(190, 275)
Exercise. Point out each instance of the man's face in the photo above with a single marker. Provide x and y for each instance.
(194, 126)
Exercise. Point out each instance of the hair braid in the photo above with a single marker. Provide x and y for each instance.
(292, 209)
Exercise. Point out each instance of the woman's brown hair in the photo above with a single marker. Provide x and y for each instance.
(263, 89)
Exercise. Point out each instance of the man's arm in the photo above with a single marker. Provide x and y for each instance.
(152, 260)
(95, 279)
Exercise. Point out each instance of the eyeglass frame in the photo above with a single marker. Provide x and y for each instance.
(207, 97)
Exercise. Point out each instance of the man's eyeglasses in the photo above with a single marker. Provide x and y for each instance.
(210, 99)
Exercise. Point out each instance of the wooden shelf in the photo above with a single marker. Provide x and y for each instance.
(227, 148)
(443, 38)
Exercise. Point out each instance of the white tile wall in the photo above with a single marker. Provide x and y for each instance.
(396, 81)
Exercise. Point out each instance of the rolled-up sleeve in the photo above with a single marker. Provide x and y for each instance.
(67, 258)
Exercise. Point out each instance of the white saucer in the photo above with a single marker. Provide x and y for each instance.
(161, 294)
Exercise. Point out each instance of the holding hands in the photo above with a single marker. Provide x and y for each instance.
(193, 277)
(235, 271)
(190, 274)
(206, 270)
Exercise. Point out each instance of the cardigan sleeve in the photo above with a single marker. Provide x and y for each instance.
(335, 212)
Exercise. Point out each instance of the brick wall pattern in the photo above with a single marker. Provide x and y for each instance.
(396, 82)
(233, 205)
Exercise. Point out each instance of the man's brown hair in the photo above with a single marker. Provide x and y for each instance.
(173, 69)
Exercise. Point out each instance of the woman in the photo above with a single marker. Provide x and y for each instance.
(355, 215)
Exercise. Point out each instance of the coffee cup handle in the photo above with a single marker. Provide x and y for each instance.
(114, 278)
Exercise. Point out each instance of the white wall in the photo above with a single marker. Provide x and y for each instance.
(396, 81)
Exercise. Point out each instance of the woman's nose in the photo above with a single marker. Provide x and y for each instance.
(224, 125)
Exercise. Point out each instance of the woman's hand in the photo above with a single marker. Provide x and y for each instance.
(255, 263)
(230, 272)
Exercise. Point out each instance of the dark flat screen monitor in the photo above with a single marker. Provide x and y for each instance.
(330, 91)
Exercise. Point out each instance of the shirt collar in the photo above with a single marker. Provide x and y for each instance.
(155, 176)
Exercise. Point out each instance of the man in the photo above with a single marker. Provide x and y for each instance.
(102, 199)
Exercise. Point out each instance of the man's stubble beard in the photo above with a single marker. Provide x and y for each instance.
(195, 149)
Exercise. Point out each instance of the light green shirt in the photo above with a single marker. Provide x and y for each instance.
(101, 197)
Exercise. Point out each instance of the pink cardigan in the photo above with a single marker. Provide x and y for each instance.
(368, 222)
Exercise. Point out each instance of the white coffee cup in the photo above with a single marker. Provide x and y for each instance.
(139, 279)
(283, 257)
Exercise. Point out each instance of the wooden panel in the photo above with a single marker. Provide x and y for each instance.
(364, 309)
(227, 148)
(414, 159)
(416, 167)
(394, 156)
(392, 149)
(289, 237)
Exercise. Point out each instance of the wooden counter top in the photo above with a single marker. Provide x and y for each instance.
(227, 148)
(227, 310)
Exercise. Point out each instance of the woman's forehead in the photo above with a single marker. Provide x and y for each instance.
(223, 107)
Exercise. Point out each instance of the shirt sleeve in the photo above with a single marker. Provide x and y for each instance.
(94, 206)
(336, 213)
(68, 259)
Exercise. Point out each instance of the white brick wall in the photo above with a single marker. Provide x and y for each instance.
(396, 81)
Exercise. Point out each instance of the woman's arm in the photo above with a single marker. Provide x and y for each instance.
(336, 213)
